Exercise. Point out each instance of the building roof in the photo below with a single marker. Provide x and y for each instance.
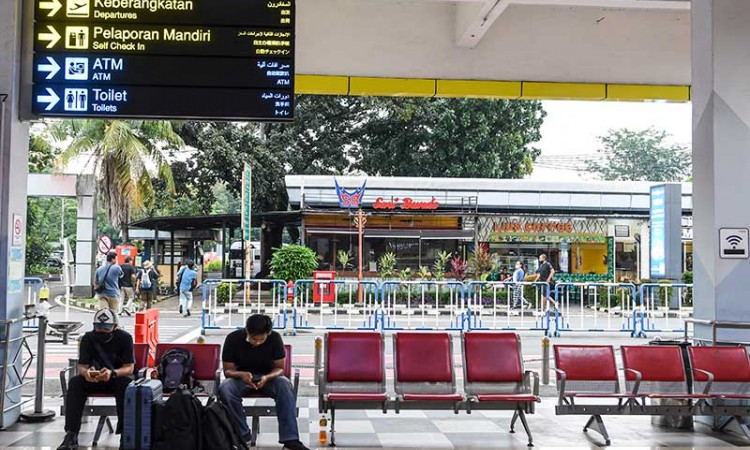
(489, 195)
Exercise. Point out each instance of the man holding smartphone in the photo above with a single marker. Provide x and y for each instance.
(105, 365)
(253, 360)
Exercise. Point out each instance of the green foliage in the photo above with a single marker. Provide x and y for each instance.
(424, 273)
(122, 152)
(687, 278)
(644, 155)
(212, 266)
(387, 265)
(293, 262)
(38, 248)
(438, 267)
(344, 258)
(405, 274)
(448, 137)
(41, 153)
(480, 262)
(223, 291)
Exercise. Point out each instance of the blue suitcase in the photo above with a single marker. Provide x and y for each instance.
(140, 397)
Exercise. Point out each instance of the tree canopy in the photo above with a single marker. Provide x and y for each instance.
(640, 155)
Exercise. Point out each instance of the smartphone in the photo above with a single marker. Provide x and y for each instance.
(94, 373)
(257, 378)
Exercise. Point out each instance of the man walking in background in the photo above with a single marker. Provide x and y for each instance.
(187, 281)
(147, 284)
(107, 283)
(127, 286)
(546, 274)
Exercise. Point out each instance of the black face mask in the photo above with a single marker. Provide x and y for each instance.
(102, 338)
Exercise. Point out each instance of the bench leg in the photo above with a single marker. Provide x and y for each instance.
(254, 430)
(513, 421)
(597, 424)
(99, 428)
(522, 416)
(333, 427)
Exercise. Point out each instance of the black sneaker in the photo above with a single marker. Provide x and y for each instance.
(188, 313)
(294, 445)
(70, 442)
(180, 309)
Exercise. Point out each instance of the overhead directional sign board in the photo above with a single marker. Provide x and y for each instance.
(172, 59)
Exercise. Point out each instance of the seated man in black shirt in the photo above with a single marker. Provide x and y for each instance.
(105, 365)
(253, 360)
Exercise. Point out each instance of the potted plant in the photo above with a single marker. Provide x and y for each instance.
(293, 262)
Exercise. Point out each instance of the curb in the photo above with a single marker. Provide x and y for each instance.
(93, 307)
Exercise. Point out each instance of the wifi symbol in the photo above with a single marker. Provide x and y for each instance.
(734, 240)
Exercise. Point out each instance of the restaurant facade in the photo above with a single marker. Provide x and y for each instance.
(591, 231)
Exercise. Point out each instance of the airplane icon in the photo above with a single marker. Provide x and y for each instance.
(78, 8)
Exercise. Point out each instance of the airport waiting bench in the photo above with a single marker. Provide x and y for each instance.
(206, 369)
(354, 375)
(588, 383)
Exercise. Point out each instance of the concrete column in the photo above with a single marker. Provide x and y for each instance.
(14, 159)
(86, 236)
(721, 159)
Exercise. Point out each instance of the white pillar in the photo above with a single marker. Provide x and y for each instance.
(721, 158)
(14, 156)
(86, 236)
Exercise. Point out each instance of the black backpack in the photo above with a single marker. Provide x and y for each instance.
(176, 369)
(179, 423)
(219, 430)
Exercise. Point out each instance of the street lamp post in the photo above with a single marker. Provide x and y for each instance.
(360, 220)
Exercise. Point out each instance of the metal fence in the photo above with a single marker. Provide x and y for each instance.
(596, 307)
(424, 305)
(228, 303)
(336, 304)
(508, 306)
(665, 306)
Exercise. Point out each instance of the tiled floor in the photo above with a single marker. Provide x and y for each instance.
(426, 430)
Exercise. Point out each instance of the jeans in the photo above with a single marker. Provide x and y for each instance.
(78, 392)
(186, 301)
(280, 389)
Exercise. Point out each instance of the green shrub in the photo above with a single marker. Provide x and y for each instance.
(345, 259)
(222, 292)
(293, 262)
(387, 265)
(212, 266)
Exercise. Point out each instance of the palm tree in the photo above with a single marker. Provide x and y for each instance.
(124, 154)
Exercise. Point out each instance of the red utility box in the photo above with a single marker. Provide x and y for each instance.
(324, 292)
(123, 251)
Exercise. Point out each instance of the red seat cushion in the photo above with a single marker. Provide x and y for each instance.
(655, 363)
(140, 352)
(602, 395)
(355, 357)
(727, 364)
(206, 358)
(586, 362)
(735, 396)
(433, 397)
(423, 357)
(492, 358)
(507, 398)
(357, 397)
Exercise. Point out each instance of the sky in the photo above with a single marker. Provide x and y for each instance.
(571, 129)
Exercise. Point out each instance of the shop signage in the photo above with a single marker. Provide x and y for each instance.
(542, 229)
(350, 199)
(183, 59)
(406, 203)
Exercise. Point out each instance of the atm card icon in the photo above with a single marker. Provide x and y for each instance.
(77, 69)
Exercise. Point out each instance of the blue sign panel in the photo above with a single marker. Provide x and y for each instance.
(658, 234)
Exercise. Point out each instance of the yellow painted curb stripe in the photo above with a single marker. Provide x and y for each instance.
(643, 92)
(478, 89)
(399, 87)
(424, 87)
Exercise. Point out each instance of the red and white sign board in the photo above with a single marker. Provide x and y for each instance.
(105, 244)
(18, 231)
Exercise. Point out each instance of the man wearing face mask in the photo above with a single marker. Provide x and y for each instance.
(105, 365)
(253, 360)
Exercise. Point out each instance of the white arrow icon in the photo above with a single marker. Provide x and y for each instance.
(51, 99)
(52, 68)
(53, 6)
(53, 37)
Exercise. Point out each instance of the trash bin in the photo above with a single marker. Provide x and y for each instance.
(675, 422)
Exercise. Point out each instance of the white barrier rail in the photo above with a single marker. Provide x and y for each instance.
(596, 307)
(423, 305)
(665, 307)
(497, 305)
(228, 303)
(335, 304)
